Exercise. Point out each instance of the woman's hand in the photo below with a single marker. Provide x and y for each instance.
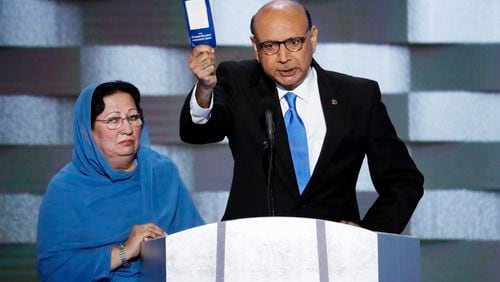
(143, 232)
(132, 246)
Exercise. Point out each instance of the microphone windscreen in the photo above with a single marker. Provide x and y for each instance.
(264, 105)
(266, 114)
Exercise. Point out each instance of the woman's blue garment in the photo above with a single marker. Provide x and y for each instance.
(89, 207)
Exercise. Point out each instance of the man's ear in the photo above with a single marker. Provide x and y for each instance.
(314, 37)
(255, 48)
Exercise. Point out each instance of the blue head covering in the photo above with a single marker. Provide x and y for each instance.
(90, 207)
(86, 155)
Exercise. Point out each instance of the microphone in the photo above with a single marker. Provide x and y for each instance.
(268, 117)
(265, 107)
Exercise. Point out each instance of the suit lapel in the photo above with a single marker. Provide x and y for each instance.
(334, 111)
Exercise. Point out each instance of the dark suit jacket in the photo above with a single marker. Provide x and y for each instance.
(357, 124)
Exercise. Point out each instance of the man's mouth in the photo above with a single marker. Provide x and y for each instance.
(287, 72)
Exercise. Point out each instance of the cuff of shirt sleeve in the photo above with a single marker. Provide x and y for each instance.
(199, 115)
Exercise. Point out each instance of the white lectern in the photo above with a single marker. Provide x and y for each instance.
(281, 249)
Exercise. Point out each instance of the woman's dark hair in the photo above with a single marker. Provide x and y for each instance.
(108, 88)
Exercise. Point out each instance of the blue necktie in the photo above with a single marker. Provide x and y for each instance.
(297, 140)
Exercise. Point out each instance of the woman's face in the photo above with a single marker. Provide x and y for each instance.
(118, 145)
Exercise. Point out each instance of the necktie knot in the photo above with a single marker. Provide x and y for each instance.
(291, 99)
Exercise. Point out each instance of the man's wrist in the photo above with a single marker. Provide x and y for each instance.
(203, 96)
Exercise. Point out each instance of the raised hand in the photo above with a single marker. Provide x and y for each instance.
(202, 62)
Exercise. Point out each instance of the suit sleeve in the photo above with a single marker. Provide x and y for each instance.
(394, 174)
(220, 119)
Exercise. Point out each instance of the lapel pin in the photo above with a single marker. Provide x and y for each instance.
(334, 102)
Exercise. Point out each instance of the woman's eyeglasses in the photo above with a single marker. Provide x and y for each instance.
(134, 118)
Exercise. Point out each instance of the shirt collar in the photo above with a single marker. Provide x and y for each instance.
(304, 90)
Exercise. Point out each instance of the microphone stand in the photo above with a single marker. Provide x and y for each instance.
(269, 146)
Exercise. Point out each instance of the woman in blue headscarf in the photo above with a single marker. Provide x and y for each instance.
(115, 193)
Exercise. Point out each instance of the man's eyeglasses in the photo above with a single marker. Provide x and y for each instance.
(134, 119)
(292, 44)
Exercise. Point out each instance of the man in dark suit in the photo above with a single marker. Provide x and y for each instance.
(325, 124)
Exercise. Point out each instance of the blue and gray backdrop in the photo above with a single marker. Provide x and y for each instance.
(437, 62)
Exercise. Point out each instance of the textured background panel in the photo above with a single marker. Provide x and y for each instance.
(211, 204)
(39, 23)
(454, 116)
(182, 158)
(364, 180)
(428, 56)
(34, 120)
(457, 215)
(237, 53)
(40, 71)
(472, 67)
(232, 21)
(18, 217)
(161, 114)
(152, 22)
(454, 165)
(445, 261)
(359, 20)
(154, 70)
(17, 262)
(388, 65)
(28, 169)
(397, 108)
(453, 21)
(213, 167)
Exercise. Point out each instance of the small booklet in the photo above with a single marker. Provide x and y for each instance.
(199, 22)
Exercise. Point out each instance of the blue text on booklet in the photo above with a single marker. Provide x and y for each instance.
(199, 22)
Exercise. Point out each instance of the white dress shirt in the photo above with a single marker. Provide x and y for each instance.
(308, 106)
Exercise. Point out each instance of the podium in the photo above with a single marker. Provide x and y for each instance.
(281, 249)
